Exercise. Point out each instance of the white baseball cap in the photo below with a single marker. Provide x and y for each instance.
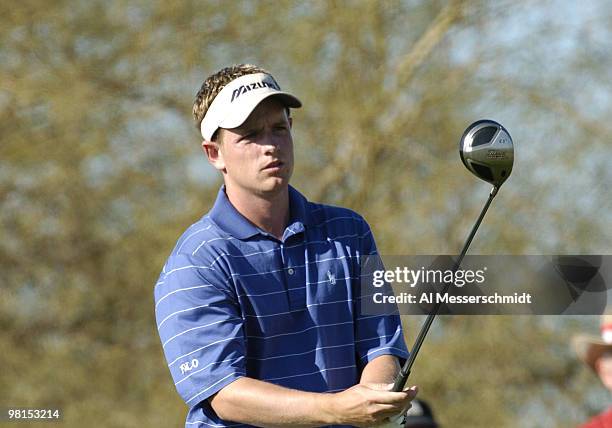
(235, 102)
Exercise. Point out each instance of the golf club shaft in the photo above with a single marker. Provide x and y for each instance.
(402, 377)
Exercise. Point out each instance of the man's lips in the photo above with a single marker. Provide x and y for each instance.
(275, 164)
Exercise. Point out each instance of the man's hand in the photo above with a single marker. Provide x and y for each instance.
(370, 405)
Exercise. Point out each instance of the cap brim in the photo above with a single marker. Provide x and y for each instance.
(590, 348)
(240, 115)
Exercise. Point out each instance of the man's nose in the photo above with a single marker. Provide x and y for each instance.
(271, 140)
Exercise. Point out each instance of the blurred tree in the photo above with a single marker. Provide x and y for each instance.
(100, 172)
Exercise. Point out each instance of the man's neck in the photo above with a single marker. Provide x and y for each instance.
(268, 212)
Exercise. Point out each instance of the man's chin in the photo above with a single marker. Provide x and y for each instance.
(274, 185)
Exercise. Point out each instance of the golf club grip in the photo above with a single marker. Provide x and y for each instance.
(402, 376)
(400, 381)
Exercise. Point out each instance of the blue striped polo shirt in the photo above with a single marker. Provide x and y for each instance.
(233, 301)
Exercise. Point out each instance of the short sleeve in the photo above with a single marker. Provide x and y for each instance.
(200, 327)
(375, 335)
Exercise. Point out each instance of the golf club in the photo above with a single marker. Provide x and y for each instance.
(487, 150)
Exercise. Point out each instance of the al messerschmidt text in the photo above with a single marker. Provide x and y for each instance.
(516, 298)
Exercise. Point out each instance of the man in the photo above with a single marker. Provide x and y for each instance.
(597, 354)
(258, 305)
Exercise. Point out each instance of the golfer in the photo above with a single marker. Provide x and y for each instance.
(597, 354)
(258, 305)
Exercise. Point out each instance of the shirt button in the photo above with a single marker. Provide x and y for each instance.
(290, 271)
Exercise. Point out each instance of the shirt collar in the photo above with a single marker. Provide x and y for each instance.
(299, 213)
(227, 217)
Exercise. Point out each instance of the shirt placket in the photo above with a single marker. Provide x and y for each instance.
(292, 254)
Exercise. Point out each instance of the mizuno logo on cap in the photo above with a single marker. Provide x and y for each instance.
(246, 88)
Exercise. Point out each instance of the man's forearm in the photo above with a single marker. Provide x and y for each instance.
(382, 369)
(264, 404)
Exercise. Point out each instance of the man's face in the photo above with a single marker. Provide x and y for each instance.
(257, 157)
(604, 369)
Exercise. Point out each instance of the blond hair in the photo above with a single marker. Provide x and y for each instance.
(213, 85)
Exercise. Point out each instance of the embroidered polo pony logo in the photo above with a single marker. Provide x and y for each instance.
(331, 277)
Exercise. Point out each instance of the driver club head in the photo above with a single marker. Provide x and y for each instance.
(487, 150)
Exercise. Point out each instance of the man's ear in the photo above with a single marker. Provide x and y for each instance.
(214, 155)
(290, 122)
